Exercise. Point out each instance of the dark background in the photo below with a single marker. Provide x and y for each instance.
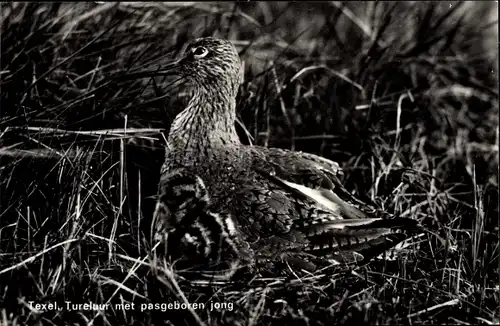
(403, 95)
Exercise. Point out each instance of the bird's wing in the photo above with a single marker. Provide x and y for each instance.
(338, 222)
(313, 176)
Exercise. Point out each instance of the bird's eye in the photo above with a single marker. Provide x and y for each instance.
(200, 52)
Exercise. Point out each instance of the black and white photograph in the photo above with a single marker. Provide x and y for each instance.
(249, 163)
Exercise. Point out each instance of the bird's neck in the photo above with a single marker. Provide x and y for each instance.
(208, 120)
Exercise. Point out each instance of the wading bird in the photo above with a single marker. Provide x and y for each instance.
(231, 201)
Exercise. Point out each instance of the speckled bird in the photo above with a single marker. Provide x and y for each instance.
(272, 204)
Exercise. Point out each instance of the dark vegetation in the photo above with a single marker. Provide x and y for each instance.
(403, 95)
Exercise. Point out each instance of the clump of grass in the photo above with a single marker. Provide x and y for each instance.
(398, 93)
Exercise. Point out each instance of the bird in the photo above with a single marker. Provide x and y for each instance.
(193, 231)
(266, 204)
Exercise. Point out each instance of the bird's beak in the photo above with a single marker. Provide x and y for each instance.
(169, 69)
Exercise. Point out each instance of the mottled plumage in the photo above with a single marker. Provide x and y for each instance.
(283, 204)
(191, 233)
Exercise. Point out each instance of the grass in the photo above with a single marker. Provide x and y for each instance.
(403, 96)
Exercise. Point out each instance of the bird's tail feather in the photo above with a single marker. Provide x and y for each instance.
(366, 237)
(363, 251)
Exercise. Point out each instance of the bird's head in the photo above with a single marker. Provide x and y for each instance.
(209, 63)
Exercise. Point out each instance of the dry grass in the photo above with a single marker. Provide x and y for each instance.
(403, 96)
